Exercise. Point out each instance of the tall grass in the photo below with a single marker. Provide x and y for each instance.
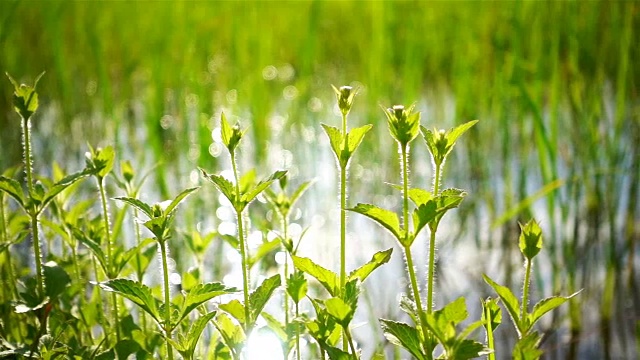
(554, 83)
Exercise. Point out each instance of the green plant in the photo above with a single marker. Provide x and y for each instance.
(526, 348)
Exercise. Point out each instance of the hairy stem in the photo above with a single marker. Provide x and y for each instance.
(298, 334)
(432, 244)
(107, 230)
(525, 289)
(9, 261)
(167, 297)
(243, 247)
(343, 217)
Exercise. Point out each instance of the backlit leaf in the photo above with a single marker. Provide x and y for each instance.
(379, 258)
(327, 278)
(546, 305)
(403, 335)
(235, 309)
(339, 310)
(13, 189)
(178, 199)
(225, 186)
(510, 302)
(388, 219)
(261, 186)
(336, 141)
(138, 293)
(202, 293)
(258, 298)
(138, 204)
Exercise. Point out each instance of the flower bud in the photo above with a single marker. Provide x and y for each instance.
(345, 96)
(404, 125)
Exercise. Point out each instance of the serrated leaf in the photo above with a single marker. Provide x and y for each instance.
(546, 305)
(123, 258)
(235, 309)
(388, 219)
(336, 141)
(468, 349)
(232, 334)
(138, 204)
(378, 259)
(258, 298)
(193, 335)
(510, 302)
(299, 191)
(403, 335)
(13, 189)
(261, 186)
(178, 199)
(527, 347)
(297, 286)
(355, 137)
(454, 134)
(325, 277)
(95, 248)
(491, 314)
(337, 354)
(202, 293)
(275, 326)
(423, 215)
(55, 279)
(530, 241)
(339, 310)
(442, 323)
(138, 293)
(419, 196)
(225, 186)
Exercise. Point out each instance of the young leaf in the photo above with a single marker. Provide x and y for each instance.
(297, 286)
(261, 186)
(178, 199)
(530, 241)
(225, 186)
(258, 299)
(262, 250)
(546, 305)
(191, 341)
(339, 310)
(491, 314)
(231, 135)
(510, 302)
(55, 279)
(202, 293)
(419, 196)
(62, 185)
(327, 278)
(379, 258)
(138, 204)
(13, 189)
(388, 219)
(468, 349)
(25, 97)
(138, 293)
(336, 141)
(235, 309)
(403, 335)
(355, 136)
(232, 334)
(423, 215)
(527, 347)
(337, 354)
(95, 248)
(454, 134)
(299, 191)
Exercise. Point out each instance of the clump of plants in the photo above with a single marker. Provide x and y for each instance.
(60, 309)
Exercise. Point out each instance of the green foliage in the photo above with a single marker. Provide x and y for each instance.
(441, 142)
(403, 123)
(25, 97)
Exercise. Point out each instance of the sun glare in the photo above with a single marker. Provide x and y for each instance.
(263, 344)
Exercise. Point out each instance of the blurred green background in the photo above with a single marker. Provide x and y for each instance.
(555, 85)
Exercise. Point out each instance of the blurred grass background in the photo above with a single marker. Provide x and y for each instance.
(555, 85)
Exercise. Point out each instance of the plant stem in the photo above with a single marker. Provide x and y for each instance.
(298, 333)
(525, 290)
(167, 297)
(404, 150)
(432, 244)
(490, 343)
(140, 273)
(107, 229)
(243, 247)
(285, 226)
(343, 218)
(347, 334)
(10, 275)
(28, 163)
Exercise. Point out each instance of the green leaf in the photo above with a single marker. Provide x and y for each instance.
(177, 200)
(388, 219)
(225, 186)
(401, 334)
(339, 310)
(105, 157)
(126, 347)
(55, 279)
(232, 334)
(355, 136)
(530, 241)
(261, 186)
(423, 215)
(510, 302)
(235, 309)
(379, 258)
(442, 323)
(202, 293)
(262, 250)
(258, 299)
(454, 134)
(337, 354)
(468, 349)
(123, 258)
(404, 126)
(336, 141)
(231, 135)
(546, 305)
(138, 293)
(297, 286)
(527, 347)
(138, 204)
(62, 185)
(275, 326)
(25, 98)
(196, 329)
(299, 191)
(13, 189)
(419, 196)
(491, 314)
(327, 278)
(95, 248)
